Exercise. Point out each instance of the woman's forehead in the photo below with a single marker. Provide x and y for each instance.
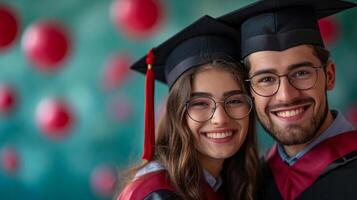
(215, 82)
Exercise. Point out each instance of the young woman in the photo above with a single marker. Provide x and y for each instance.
(206, 144)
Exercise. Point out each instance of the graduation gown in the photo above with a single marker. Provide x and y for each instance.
(157, 186)
(326, 172)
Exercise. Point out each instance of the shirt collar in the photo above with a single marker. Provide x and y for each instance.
(152, 166)
(213, 182)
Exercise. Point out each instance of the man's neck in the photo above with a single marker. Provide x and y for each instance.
(292, 150)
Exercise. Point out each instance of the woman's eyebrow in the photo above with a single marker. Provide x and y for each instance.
(206, 94)
(230, 93)
(201, 94)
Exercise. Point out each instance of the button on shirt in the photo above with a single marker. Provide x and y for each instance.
(339, 125)
(153, 166)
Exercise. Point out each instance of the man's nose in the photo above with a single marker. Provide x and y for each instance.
(286, 92)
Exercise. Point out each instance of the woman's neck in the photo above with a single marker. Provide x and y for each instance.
(212, 166)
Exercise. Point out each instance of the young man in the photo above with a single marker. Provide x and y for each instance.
(315, 155)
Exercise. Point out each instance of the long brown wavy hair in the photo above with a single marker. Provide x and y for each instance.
(175, 148)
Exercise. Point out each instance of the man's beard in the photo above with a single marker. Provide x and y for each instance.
(295, 134)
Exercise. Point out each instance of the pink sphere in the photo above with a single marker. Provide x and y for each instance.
(116, 71)
(120, 109)
(9, 27)
(352, 114)
(136, 18)
(329, 29)
(10, 160)
(160, 111)
(103, 180)
(46, 45)
(54, 117)
(7, 99)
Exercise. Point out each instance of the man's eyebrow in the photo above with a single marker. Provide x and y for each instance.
(302, 64)
(290, 67)
(263, 71)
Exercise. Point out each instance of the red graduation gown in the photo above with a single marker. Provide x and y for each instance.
(154, 181)
(327, 171)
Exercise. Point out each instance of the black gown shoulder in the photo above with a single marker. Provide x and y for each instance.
(163, 195)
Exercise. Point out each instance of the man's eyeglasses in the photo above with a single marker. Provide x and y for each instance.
(201, 109)
(301, 78)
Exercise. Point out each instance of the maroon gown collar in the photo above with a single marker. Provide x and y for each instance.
(159, 180)
(293, 180)
(146, 184)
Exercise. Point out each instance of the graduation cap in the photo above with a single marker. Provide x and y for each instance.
(281, 24)
(200, 43)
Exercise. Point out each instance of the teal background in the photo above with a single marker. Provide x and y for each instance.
(61, 169)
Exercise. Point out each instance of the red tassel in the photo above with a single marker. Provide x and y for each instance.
(149, 131)
(150, 58)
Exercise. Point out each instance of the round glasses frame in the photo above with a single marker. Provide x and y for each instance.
(289, 80)
(213, 110)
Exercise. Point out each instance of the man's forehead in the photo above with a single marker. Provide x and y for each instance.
(281, 60)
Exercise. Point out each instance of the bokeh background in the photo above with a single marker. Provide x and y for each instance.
(71, 113)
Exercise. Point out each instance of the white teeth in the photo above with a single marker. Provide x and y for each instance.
(219, 135)
(290, 113)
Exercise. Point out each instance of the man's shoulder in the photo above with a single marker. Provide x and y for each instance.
(349, 160)
(338, 181)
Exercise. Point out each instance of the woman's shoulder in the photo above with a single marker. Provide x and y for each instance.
(162, 195)
(151, 186)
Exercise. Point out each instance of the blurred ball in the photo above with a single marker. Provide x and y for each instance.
(9, 27)
(103, 180)
(136, 18)
(10, 160)
(54, 117)
(160, 110)
(120, 109)
(329, 29)
(7, 99)
(116, 71)
(46, 45)
(352, 114)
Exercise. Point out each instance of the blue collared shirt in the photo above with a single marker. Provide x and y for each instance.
(153, 166)
(338, 126)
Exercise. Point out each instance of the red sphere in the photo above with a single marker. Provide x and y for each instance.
(137, 18)
(9, 27)
(46, 45)
(9, 159)
(116, 71)
(7, 99)
(329, 29)
(54, 117)
(103, 180)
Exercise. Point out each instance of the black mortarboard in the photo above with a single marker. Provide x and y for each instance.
(200, 43)
(280, 24)
(197, 44)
